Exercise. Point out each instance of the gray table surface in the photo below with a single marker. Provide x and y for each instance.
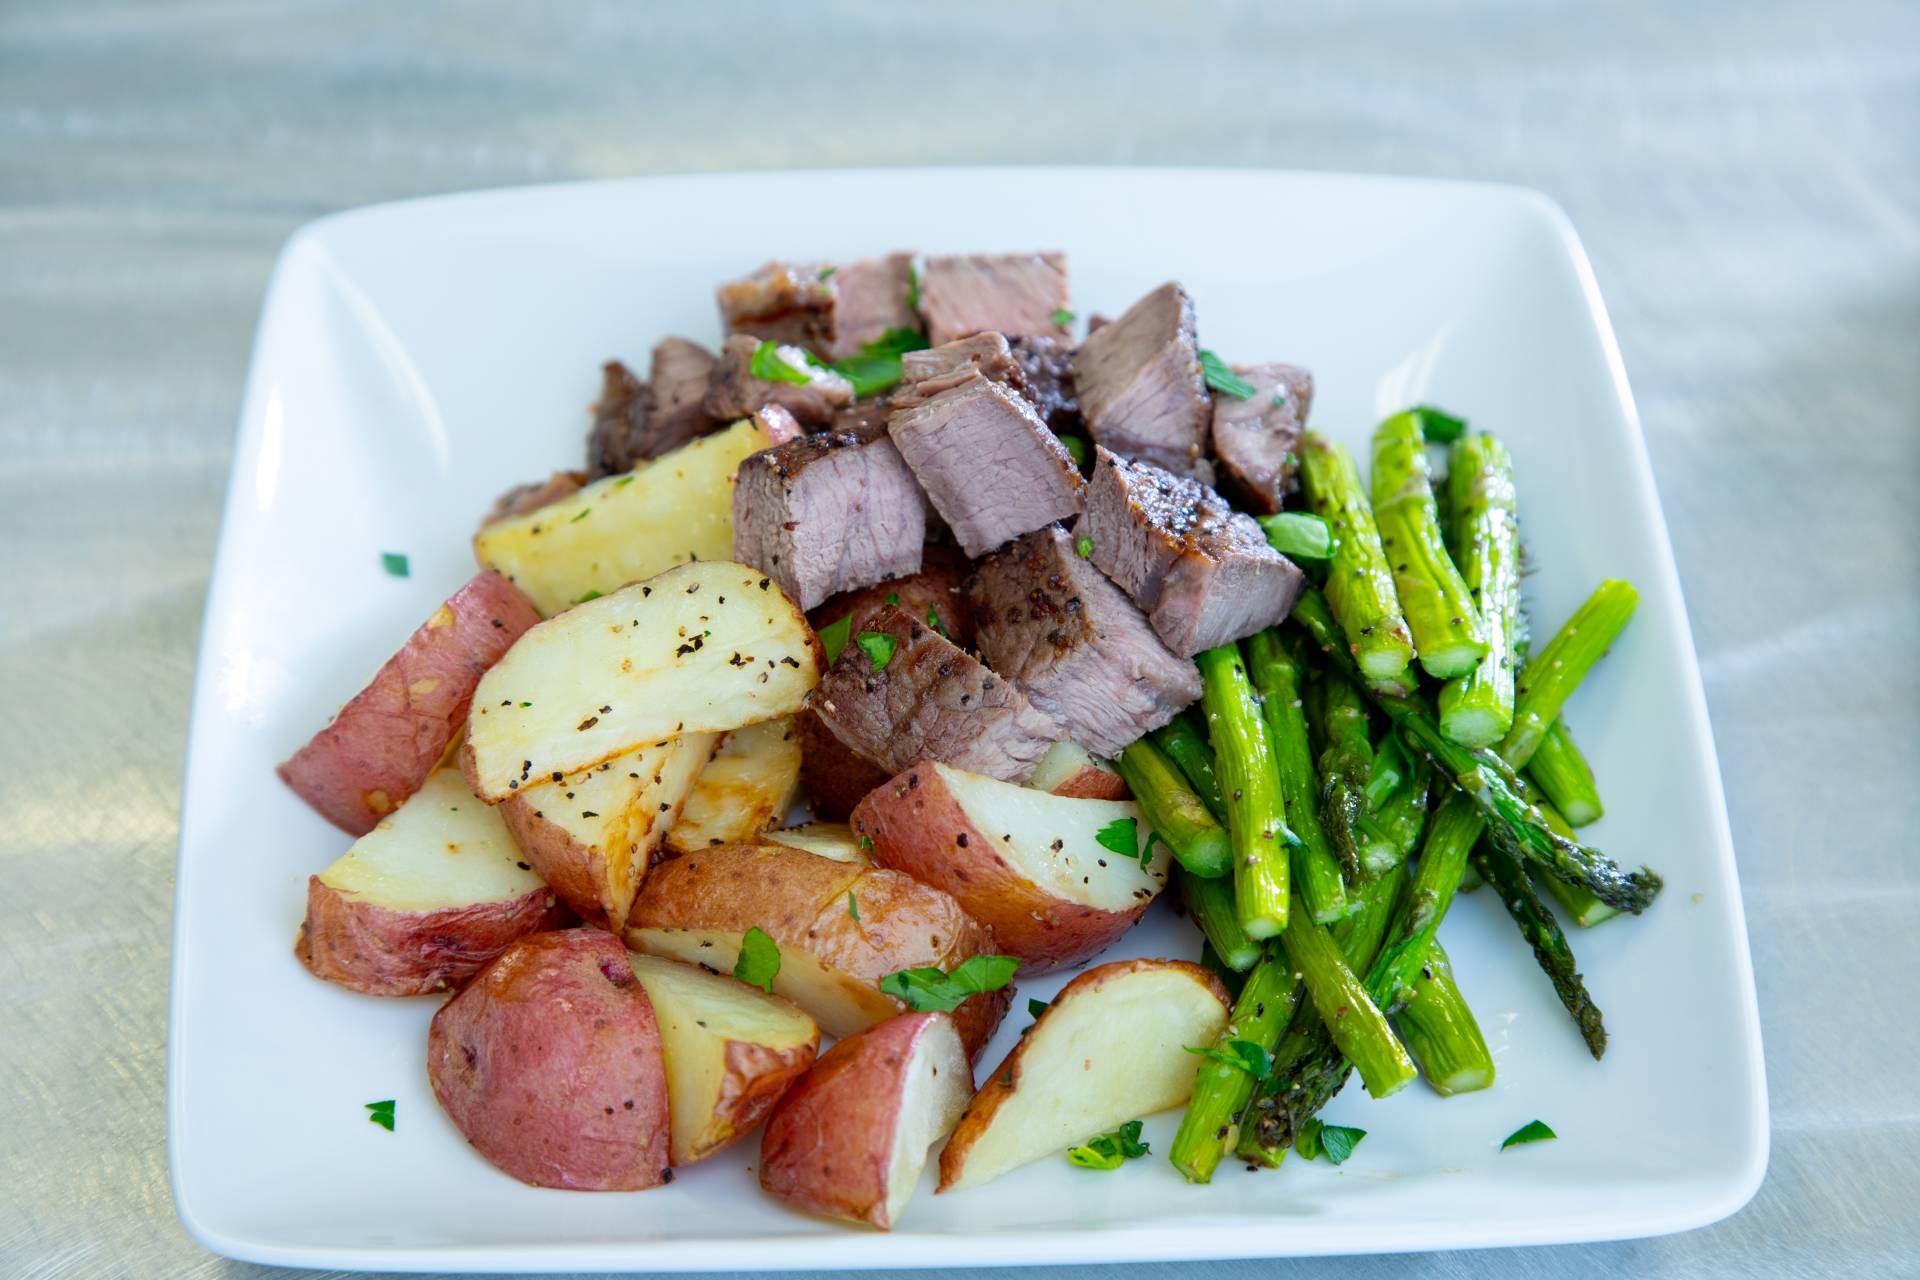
(1746, 178)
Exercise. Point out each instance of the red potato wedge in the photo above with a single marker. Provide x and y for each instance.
(851, 1140)
(935, 590)
(833, 777)
(1025, 863)
(823, 839)
(550, 1064)
(732, 1052)
(1069, 769)
(1109, 1049)
(702, 648)
(424, 900)
(385, 742)
(746, 788)
(591, 835)
(840, 927)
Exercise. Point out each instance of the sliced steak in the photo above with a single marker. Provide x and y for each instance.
(935, 595)
(869, 298)
(1077, 647)
(618, 439)
(989, 466)
(1202, 571)
(679, 377)
(1256, 439)
(733, 390)
(868, 416)
(1140, 386)
(927, 373)
(828, 513)
(523, 498)
(928, 700)
(1018, 294)
(781, 302)
(1046, 365)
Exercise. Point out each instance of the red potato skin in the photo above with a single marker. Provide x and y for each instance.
(385, 742)
(550, 1064)
(1094, 784)
(378, 951)
(917, 827)
(828, 1145)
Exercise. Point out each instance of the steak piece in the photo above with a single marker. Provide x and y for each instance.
(927, 699)
(1255, 440)
(937, 590)
(523, 498)
(828, 513)
(634, 420)
(831, 310)
(1077, 647)
(1046, 365)
(733, 390)
(1017, 294)
(988, 465)
(1140, 385)
(927, 373)
(1203, 571)
(618, 438)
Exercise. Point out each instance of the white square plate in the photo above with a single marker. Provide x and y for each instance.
(416, 359)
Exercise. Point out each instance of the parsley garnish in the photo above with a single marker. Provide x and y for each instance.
(1122, 836)
(878, 646)
(1062, 317)
(826, 274)
(833, 637)
(878, 366)
(1083, 545)
(759, 960)
(933, 620)
(621, 483)
(1036, 1007)
(381, 1113)
(1299, 535)
(866, 843)
(591, 595)
(394, 563)
(1437, 426)
(853, 906)
(928, 989)
(1531, 1131)
(1247, 1055)
(1076, 448)
(892, 597)
(1110, 1150)
(1334, 1141)
(1223, 379)
(767, 363)
(584, 513)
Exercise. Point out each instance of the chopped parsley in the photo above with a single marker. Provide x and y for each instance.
(878, 646)
(1247, 1055)
(1122, 836)
(1334, 1141)
(1083, 546)
(1062, 317)
(853, 906)
(394, 563)
(1110, 1150)
(381, 1113)
(930, 989)
(1437, 426)
(1223, 379)
(768, 363)
(913, 286)
(1531, 1131)
(759, 960)
(833, 637)
(1036, 1007)
(826, 274)
(892, 597)
(590, 595)
(866, 843)
(1076, 448)
(584, 513)
(933, 620)
(622, 482)
(878, 366)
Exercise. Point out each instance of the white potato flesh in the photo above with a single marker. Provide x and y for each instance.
(624, 528)
(933, 1096)
(705, 647)
(746, 788)
(1053, 840)
(1095, 1059)
(840, 1004)
(1062, 761)
(442, 848)
(823, 839)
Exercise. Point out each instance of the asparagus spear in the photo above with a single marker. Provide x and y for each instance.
(1174, 812)
(1359, 579)
(1446, 628)
(1220, 1089)
(1550, 948)
(1210, 903)
(1440, 1032)
(1256, 819)
(1562, 772)
(1356, 1024)
(1339, 718)
(1556, 671)
(1187, 747)
(1279, 677)
(1392, 827)
(1476, 708)
(1210, 960)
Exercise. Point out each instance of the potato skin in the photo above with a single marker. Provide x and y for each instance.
(550, 1063)
(918, 827)
(378, 951)
(1094, 784)
(385, 742)
(800, 900)
(828, 1146)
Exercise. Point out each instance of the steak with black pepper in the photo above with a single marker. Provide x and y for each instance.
(1256, 439)
(1140, 385)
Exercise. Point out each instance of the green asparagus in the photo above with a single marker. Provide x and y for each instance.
(1338, 715)
(1220, 1089)
(1356, 1024)
(1187, 747)
(1299, 535)
(1550, 948)
(1279, 677)
(1440, 1032)
(1256, 819)
(1555, 671)
(1359, 579)
(1562, 772)
(1476, 708)
(1439, 609)
(1210, 903)
(1174, 812)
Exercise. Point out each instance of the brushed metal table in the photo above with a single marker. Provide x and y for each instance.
(1746, 180)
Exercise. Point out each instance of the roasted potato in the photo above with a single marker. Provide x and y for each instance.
(624, 528)
(851, 1138)
(1112, 1047)
(1069, 769)
(385, 742)
(705, 647)
(826, 839)
(746, 788)
(732, 1052)
(841, 928)
(423, 900)
(550, 1064)
(591, 834)
(1027, 864)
